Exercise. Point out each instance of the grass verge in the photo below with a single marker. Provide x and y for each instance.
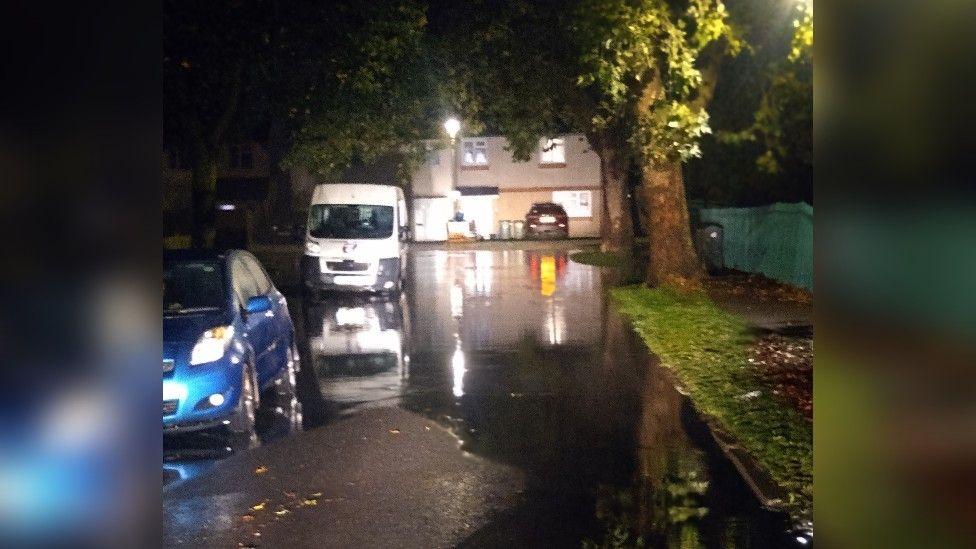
(598, 258)
(707, 349)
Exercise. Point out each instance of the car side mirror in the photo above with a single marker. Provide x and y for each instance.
(258, 304)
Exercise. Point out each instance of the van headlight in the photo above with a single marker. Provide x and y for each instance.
(312, 248)
(211, 345)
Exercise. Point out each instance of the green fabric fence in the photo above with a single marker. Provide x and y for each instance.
(775, 240)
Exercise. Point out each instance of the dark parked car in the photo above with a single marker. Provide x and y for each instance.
(547, 219)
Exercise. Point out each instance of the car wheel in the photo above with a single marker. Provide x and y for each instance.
(284, 389)
(243, 423)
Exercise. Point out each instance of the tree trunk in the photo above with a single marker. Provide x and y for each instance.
(616, 227)
(204, 182)
(280, 201)
(672, 258)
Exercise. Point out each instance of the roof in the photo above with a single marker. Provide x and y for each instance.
(195, 254)
(478, 191)
(357, 193)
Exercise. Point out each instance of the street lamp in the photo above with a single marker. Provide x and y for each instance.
(452, 126)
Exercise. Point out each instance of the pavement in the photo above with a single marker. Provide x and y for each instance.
(382, 475)
(500, 400)
(764, 303)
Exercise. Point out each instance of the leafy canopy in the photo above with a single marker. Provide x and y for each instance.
(647, 55)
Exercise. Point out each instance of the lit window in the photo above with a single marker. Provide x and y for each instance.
(553, 151)
(576, 203)
(475, 153)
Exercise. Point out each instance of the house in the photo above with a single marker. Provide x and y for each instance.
(482, 182)
(243, 179)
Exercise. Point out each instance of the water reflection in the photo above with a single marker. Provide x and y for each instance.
(190, 455)
(526, 363)
(457, 368)
(358, 350)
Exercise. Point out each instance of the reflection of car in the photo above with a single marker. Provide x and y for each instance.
(546, 219)
(360, 353)
(356, 239)
(227, 335)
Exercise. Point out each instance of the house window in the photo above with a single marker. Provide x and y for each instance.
(576, 203)
(475, 153)
(553, 151)
(241, 157)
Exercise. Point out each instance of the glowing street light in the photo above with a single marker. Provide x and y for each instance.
(452, 126)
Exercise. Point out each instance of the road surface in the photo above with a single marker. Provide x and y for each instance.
(499, 400)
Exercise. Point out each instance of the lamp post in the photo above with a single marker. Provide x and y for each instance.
(452, 126)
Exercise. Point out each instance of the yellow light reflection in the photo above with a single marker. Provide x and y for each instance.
(547, 274)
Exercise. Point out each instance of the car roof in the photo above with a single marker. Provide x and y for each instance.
(196, 254)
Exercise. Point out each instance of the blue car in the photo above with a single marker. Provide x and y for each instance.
(227, 337)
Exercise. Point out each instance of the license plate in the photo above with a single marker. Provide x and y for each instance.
(350, 316)
(351, 280)
(547, 219)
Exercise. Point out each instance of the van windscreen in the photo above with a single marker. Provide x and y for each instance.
(351, 221)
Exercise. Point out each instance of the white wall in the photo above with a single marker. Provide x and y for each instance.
(582, 168)
(433, 176)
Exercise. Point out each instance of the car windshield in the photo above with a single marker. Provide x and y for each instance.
(350, 221)
(192, 286)
(548, 209)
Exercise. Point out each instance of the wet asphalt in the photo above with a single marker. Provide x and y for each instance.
(499, 400)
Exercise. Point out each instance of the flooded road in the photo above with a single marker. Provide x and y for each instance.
(519, 355)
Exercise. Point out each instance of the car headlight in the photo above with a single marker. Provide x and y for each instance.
(312, 247)
(212, 345)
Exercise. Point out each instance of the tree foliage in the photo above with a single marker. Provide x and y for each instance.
(648, 55)
(783, 121)
(366, 89)
(331, 83)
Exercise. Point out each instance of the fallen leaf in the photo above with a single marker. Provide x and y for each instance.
(258, 507)
(261, 470)
(281, 512)
(247, 518)
(426, 427)
(290, 494)
(394, 431)
(317, 495)
(310, 502)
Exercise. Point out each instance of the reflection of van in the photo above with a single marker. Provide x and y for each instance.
(355, 239)
(360, 355)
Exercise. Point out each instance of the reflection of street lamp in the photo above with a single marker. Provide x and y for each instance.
(452, 126)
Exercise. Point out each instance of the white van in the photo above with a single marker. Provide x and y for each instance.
(355, 239)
